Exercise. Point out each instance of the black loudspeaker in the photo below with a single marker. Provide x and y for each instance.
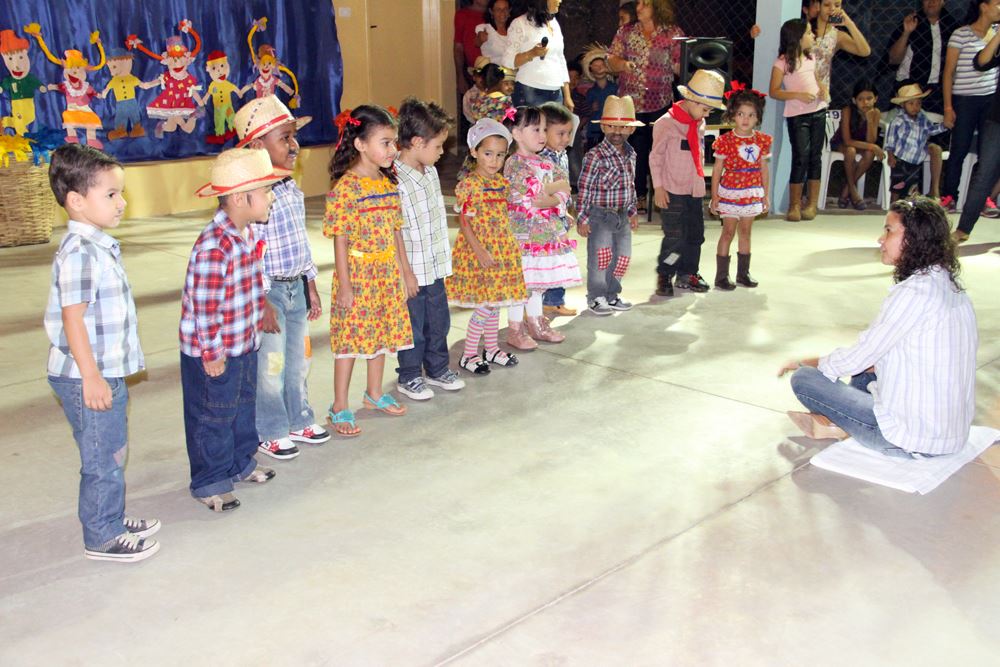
(712, 53)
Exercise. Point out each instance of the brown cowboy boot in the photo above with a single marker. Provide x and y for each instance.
(722, 273)
(794, 202)
(809, 212)
(743, 276)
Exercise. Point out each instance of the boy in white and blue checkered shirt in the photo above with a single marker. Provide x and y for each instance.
(906, 140)
(94, 345)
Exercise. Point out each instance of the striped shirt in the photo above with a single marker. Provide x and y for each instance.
(288, 254)
(923, 347)
(223, 298)
(968, 80)
(607, 180)
(88, 269)
(907, 137)
(425, 223)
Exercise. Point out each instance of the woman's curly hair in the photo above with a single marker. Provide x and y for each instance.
(927, 239)
(364, 120)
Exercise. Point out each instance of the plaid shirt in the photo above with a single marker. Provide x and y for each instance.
(87, 269)
(425, 223)
(223, 298)
(907, 137)
(288, 254)
(607, 180)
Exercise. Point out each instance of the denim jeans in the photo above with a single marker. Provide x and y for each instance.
(850, 407)
(971, 112)
(683, 223)
(102, 438)
(555, 296)
(609, 250)
(282, 365)
(807, 134)
(430, 320)
(986, 177)
(534, 97)
(220, 422)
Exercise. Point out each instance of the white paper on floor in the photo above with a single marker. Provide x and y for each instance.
(911, 475)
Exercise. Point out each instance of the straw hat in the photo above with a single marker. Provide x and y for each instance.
(241, 170)
(909, 92)
(481, 62)
(619, 111)
(592, 53)
(258, 117)
(705, 87)
(487, 127)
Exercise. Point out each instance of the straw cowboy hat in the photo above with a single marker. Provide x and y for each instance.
(909, 92)
(705, 87)
(619, 111)
(593, 52)
(241, 170)
(258, 117)
(481, 62)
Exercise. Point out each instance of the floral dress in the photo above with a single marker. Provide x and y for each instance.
(651, 83)
(741, 189)
(492, 105)
(175, 100)
(368, 213)
(484, 203)
(547, 257)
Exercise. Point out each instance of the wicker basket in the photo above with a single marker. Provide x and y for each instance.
(27, 207)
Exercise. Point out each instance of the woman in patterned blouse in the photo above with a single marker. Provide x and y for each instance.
(646, 56)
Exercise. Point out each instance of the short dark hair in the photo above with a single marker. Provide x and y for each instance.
(421, 119)
(74, 168)
(556, 114)
(744, 98)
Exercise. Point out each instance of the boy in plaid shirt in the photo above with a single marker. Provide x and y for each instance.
(284, 415)
(221, 310)
(93, 345)
(607, 206)
(906, 140)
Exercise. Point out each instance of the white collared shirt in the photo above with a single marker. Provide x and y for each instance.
(923, 347)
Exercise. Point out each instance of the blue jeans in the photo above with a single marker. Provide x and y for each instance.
(971, 112)
(430, 320)
(219, 423)
(555, 296)
(986, 177)
(282, 365)
(609, 249)
(534, 97)
(102, 438)
(127, 112)
(850, 407)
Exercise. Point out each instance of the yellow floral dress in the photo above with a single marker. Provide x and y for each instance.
(368, 213)
(484, 201)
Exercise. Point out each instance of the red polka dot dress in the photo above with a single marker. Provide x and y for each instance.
(741, 189)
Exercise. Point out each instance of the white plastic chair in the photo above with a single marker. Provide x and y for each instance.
(831, 156)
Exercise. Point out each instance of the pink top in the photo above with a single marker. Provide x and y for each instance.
(802, 80)
(671, 165)
(78, 98)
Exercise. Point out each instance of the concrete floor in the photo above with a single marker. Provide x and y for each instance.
(634, 496)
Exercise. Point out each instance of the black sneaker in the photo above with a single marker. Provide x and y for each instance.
(126, 548)
(692, 282)
(141, 527)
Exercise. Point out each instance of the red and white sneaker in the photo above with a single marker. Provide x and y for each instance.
(312, 435)
(281, 449)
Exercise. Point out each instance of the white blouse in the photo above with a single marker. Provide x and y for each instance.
(923, 347)
(549, 73)
(495, 45)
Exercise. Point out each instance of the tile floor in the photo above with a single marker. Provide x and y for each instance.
(633, 496)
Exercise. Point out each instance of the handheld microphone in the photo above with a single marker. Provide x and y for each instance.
(545, 42)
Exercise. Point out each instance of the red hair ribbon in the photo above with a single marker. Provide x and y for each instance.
(341, 121)
(509, 113)
(736, 87)
(393, 111)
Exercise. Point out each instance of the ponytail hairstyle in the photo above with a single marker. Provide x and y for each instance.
(522, 117)
(358, 124)
(493, 76)
(790, 43)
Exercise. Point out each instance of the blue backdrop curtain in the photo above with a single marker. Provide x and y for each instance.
(303, 33)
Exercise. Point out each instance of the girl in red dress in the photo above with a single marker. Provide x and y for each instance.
(740, 185)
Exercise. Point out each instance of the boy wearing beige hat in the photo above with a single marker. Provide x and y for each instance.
(221, 309)
(607, 206)
(284, 416)
(906, 140)
(677, 166)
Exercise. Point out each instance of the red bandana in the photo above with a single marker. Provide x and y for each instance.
(694, 140)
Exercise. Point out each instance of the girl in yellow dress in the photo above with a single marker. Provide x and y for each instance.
(368, 317)
(486, 262)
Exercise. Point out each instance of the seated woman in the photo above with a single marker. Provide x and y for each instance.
(913, 371)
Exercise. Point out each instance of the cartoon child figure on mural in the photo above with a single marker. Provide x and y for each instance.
(78, 114)
(128, 113)
(265, 60)
(221, 92)
(175, 106)
(20, 85)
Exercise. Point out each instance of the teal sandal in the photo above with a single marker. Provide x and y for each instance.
(342, 417)
(386, 404)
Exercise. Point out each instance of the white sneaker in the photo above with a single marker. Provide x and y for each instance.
(416, 389)
(449, 380)
(281, 449)
(619, 303)
(311, 435)
(600, 307)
